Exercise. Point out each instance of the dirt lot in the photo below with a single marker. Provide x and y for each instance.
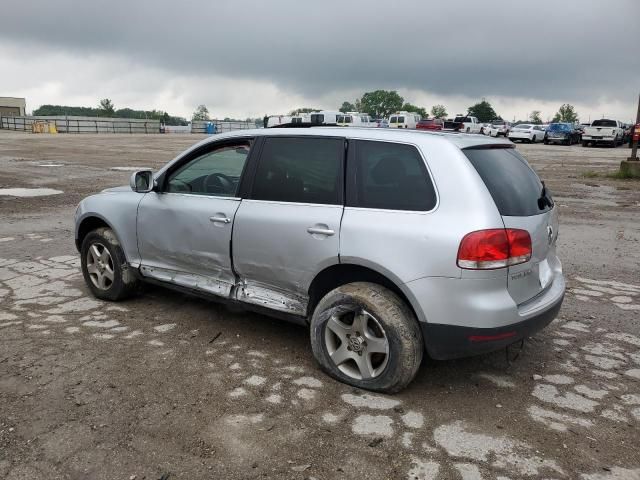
(168, 384)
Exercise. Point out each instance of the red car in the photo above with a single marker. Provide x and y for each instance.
(635, 135)
(430, 124)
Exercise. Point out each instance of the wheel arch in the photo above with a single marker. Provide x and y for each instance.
(89, 223)
(339, 274)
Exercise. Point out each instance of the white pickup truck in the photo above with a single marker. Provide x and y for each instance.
(603, 131)
(464, 124)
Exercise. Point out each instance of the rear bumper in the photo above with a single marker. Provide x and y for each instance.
(451, 341)
(489, 323)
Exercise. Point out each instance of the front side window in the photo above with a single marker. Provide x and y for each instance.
(301, 170)
(215, 173)
(391, 176)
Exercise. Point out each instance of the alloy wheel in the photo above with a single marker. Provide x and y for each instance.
(100, 266)
(357, 344)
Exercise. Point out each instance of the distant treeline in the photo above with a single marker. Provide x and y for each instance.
(61, 110)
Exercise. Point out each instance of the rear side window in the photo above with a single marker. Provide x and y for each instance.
(514, 186)
(390, 176)
(604, 123)
(301, 170)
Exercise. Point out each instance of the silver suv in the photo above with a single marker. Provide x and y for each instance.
(384, 243)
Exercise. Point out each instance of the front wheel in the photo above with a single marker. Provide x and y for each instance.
(364, 335)
(105, 267)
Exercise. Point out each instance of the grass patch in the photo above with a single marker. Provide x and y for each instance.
(590, 174)
(620, 175)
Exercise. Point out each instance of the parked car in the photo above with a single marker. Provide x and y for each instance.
(381, 123)
(430, 124)
(499, 127)
(296, 224)
(564, 133)
(603, 131)
(404, 120)
(526, 132)
(464, 124)
(635, 136)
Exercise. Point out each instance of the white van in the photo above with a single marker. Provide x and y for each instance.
(404, 120)
(325, 117)
(276, 120)
(301, 118)
(355, 119)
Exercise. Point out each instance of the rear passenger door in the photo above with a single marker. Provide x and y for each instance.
(289, 227)
(388, 224)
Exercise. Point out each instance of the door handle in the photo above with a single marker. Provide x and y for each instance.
(220, 219)
(320, 231)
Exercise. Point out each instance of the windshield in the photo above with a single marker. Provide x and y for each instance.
(498, 123)
(559, 127)
(604, 123)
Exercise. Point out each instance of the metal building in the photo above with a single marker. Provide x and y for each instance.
(12, 107)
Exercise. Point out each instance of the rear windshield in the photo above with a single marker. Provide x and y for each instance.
(461, 119)
(317, 118)
(514, 186)
(604, 123)
(559, 127)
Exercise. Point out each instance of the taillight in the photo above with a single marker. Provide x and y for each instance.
(494, 248)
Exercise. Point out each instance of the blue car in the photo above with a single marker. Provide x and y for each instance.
(564, 133)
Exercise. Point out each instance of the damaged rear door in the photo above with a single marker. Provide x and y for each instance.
(289, 227)
(184, 229)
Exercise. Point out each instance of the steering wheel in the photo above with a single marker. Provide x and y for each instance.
(218, 183)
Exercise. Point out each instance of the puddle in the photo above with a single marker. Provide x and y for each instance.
(29, 192)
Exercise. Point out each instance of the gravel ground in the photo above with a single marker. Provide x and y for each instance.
(168, 384)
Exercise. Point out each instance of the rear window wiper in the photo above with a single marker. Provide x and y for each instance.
(545, 199)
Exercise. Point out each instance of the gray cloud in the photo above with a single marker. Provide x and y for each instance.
(571, 50)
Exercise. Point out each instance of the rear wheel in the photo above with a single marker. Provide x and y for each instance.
(364, 335)
(105, 267)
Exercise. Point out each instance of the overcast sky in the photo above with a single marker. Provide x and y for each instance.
(245, 58)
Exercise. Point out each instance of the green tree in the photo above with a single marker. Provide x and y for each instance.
(201, 113)
(298, 111)
(534, 117)
(347, 107)
(106, 107)
(483, 111)
(438, 111)
(567, 114)
(381, 103)
(408, 107)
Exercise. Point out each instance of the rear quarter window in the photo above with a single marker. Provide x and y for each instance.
(512, 183)
(389, 176)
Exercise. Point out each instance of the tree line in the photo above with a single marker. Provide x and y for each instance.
(382, 103)
(107, 109)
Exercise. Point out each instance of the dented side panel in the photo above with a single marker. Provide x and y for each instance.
(180, 241)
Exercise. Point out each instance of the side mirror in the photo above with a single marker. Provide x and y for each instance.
(141, 181)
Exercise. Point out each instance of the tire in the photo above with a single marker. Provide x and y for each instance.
(97, 266)
(467, 131)
(534, 139)
(545, 141)
(388, 321)
(585, 144)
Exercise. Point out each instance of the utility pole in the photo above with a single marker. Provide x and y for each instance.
(631, 166)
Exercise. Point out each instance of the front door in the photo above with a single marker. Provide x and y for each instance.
(184, 230)
(289, 228)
